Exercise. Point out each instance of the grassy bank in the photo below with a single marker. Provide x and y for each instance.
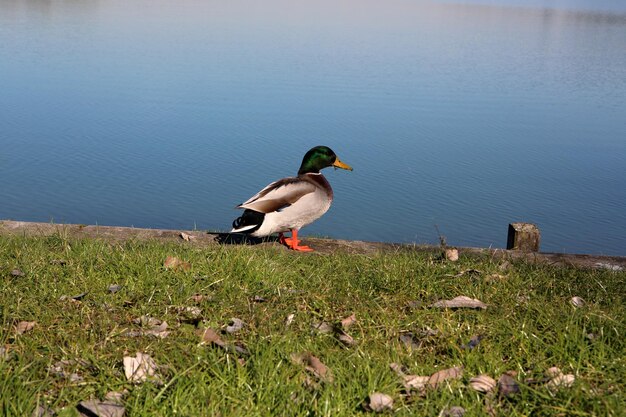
(90, 302)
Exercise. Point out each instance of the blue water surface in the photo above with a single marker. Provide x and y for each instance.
(465, 115)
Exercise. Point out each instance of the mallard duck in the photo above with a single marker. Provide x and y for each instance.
(291, 203)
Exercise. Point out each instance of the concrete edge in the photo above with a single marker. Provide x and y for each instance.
(201, 238)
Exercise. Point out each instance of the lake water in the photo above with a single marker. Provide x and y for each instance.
(467, 115)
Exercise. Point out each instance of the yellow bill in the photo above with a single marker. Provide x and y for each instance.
(339, 164)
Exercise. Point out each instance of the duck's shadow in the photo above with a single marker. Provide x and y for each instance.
(241, 239)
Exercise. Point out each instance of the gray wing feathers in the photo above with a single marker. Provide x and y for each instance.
(278, 195)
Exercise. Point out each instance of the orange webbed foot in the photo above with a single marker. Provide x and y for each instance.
(293, 242)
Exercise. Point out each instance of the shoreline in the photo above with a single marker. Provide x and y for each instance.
(321, 245)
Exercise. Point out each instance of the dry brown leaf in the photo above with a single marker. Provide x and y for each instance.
(140, 368)
(171, 262)
(553, 372)
(444, 375)
(150, 327)
(416, 382)
(455, 411)
(410, 381)
(147, 321)
(191, 313)
(460, 302)
(100, 409)
(235, 325)
(398, 369)
(346, 339)
(159, 331)
(211, 336)
(197, 298)
(24, 326)
(562, 381)
(17, 273)
(380, 402)
(507, 386)
(113, 288)
(577, 302)
(313, 365)
(187, 237)
(452, 254)
(348, 321)
(322, 327)
(482, 383)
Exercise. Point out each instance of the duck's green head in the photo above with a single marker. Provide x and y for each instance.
(318, 158)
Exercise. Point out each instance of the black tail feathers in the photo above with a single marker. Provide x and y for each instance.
(249, 221)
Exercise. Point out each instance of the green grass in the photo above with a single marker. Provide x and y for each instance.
(528, 327)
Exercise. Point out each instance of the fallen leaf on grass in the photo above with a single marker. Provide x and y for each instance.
(553, 372)
(187, 237)
(460, 302)
(452, 254)
(379, 402)
(438, 378)
(95, 408)
(322, 327)
(345, 338)
(416, 382)
(198, 298)
(17, 273)
(188, 313)
(507, 386)
(482, 383)
(211, 337)
(455, 411)
(348, 321)
(562, 381)
(337, 331)
(235, 325)
(289, 320)
(313, 365)
(558, 379)
(24, 326)
(76, 297)
(171, 262)
(577, 302)
(140, 368)
(113, 288)
(150, 327)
